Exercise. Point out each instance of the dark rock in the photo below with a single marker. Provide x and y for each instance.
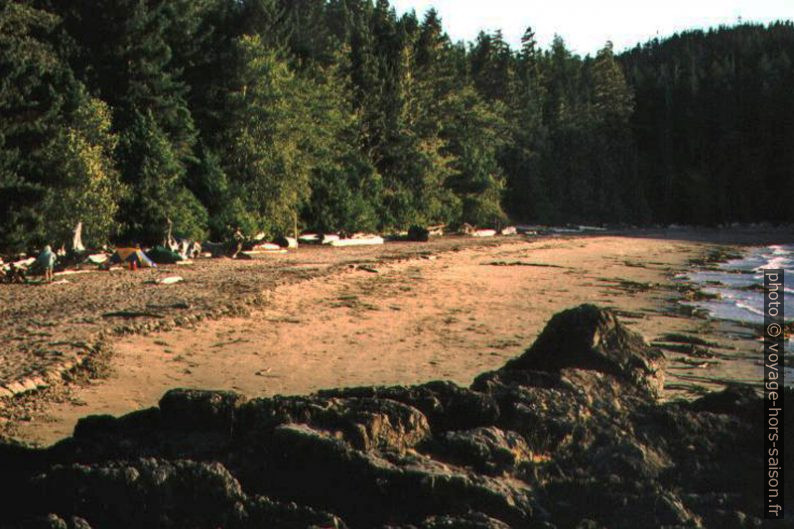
(589, 337)
(418, 234)
(316, 468)
(487, 450)
(365, 424)
(446, 405)
(156, 493)
(569, 435)
(736, 399)
(469, 521)
(190, 409)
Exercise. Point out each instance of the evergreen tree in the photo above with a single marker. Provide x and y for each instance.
(277, 115)
(620, 196)
(126, 61)
(476, 133)
(155, 176)
(55, 144)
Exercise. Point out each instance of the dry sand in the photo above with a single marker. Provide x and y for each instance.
(450, 316)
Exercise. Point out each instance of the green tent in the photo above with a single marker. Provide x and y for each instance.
(162, 255)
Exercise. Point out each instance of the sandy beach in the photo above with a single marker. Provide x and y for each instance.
(440, 312)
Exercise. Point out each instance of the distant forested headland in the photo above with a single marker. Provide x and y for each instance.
(267, 115)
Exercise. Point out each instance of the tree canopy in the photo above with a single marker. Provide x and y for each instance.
(281, 115)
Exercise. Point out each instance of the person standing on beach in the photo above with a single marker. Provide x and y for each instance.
(237, 242)
(46, 260)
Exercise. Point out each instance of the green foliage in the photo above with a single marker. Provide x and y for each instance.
(156, 177)
(475, 134)
(38, 96)
(280, 115)
(87, 188)
(714, 124)
(268, 137)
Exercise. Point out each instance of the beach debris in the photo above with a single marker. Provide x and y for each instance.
(310, 238)
(287, 242)
(358, 240)
(436, 230)
(97, 258)
(468, 229)
(45, 262)
(77, 239)
(176, 305)
(697, 351)
(524, 229)
(132, 314)
(629, 285)
(170, 280)
(186, 248)
(471, 231)
(253, 254)
(322, 238)
(697, 364)
(265, 247)
(24, 263)
(522, 263)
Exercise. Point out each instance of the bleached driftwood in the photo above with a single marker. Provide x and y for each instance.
(363, 241)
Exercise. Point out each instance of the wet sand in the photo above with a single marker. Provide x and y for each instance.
(449, 315)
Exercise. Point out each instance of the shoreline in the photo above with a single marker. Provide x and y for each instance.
(630, 290)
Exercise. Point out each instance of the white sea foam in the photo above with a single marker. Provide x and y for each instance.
(735, 279)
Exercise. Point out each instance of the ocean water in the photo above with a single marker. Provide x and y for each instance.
(739, 284)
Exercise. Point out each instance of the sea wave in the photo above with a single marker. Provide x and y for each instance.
(739, 284)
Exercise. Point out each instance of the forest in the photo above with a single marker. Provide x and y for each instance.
(282, 115)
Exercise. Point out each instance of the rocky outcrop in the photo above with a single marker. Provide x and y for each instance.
(568, 435)
(590, 338)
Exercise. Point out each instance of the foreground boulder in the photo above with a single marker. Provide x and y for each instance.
(568, 435)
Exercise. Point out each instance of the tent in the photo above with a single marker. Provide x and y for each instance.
(162, 255)
(130, 255)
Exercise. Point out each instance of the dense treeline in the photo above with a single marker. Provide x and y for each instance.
(278, 115)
